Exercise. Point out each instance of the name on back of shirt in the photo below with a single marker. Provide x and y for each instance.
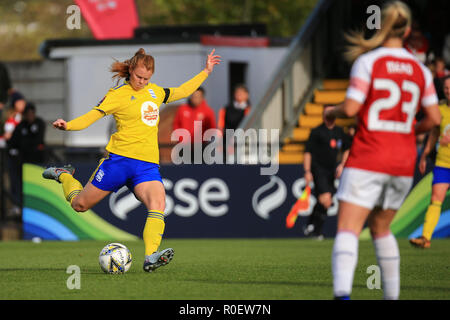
(399, 67)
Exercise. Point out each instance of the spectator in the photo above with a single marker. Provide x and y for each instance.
(446, 50)
(14, 115)
(231, 115)
(5, 86)
(324, 146)
(28, 137)
(197, 109)
(441, 70)
(417, 43)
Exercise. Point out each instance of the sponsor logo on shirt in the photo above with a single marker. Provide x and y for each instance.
(150, 113)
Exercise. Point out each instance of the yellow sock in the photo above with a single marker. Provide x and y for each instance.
(71, 186)
(431, 219)
(153, 231)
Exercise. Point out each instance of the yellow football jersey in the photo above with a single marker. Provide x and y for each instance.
(443, 153)
(137, 116)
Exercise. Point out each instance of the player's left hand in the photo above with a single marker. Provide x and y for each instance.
(211, 61)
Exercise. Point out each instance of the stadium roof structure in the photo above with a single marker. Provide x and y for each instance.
(239, 35)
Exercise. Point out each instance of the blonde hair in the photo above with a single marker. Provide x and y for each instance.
(123, 69)
(395, 20)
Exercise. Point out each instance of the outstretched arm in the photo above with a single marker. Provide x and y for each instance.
(189, 87)
(79, 123)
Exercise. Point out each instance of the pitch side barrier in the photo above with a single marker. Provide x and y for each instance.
(202, 201)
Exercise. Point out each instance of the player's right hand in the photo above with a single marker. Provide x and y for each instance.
(60, 124)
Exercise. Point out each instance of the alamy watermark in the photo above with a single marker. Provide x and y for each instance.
(251, 146)
(74, 280)
(374, 20)
(374, 280)
(73, 21)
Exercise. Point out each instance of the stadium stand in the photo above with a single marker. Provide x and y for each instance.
(332, 92)
(308, 78)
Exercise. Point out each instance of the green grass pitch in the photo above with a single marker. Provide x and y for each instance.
(229, 269)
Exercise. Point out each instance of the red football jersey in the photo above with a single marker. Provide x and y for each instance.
(391, 84)
(186, 116)
(12, 122)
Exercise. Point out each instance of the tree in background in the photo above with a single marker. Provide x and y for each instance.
(24, 25)
(283, 17)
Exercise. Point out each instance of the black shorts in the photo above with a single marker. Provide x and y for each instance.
(323, 180)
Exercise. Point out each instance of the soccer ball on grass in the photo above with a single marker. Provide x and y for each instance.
(115, 258)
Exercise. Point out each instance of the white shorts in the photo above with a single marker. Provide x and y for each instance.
(370, 189)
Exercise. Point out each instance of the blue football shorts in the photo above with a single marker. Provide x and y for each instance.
(441, 175)
(114, 172)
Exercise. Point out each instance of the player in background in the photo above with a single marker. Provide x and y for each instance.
(387, 85)
(133, 151)
(441, 171)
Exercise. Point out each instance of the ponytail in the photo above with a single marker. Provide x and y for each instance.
(395, 19)
(123, 69)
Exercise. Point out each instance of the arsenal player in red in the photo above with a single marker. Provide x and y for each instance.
(387, 87)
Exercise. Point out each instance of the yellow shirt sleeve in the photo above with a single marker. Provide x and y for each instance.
(84, 121)
(187, 88)
(110, 103)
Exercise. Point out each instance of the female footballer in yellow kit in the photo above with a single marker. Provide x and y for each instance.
(441, 171)
(133, 153)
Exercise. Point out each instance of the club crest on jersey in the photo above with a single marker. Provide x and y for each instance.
(149, 113)
(152, 93)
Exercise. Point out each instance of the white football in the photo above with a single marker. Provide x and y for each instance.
(115, 258)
